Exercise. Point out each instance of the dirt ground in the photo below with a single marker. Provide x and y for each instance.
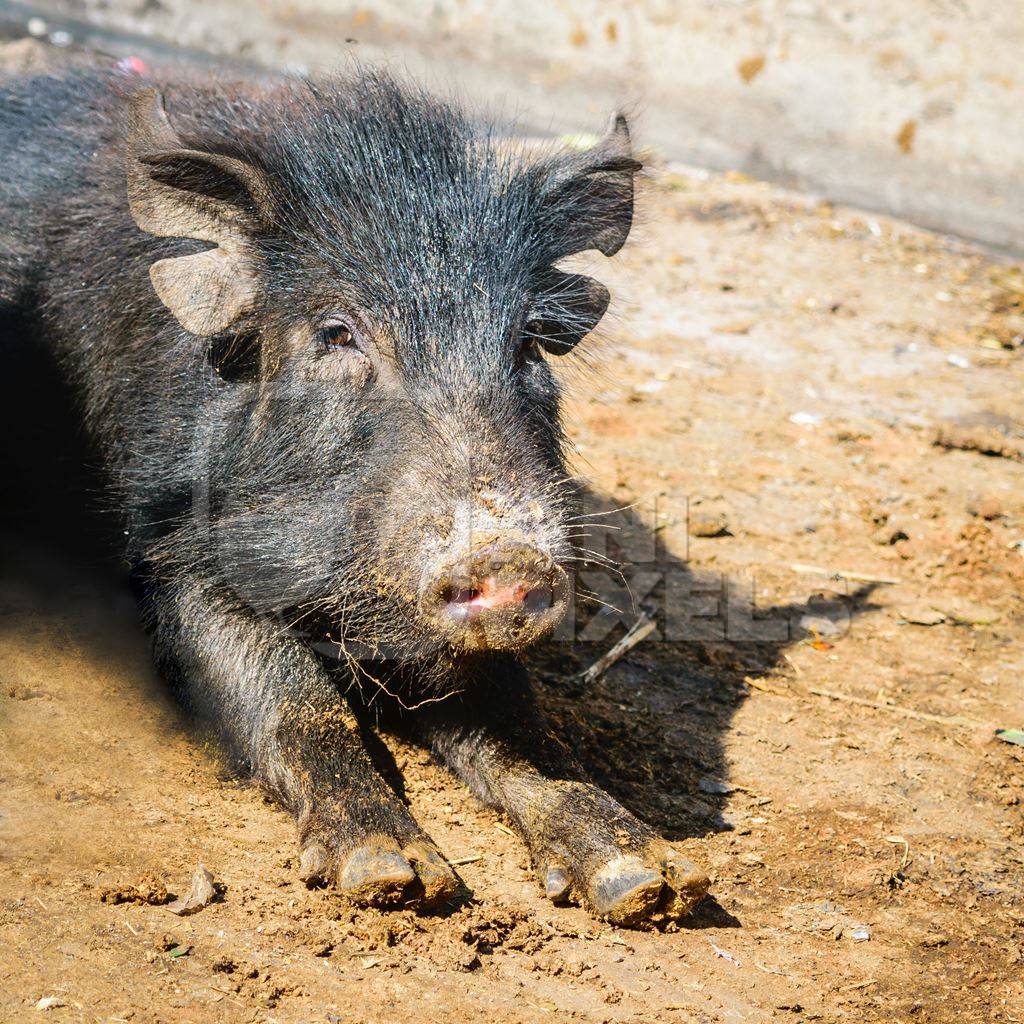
(778, 372)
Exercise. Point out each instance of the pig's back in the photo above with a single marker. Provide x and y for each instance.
(55, 131)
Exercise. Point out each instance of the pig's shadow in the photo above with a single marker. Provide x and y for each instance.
(651, 729)
(48, 487)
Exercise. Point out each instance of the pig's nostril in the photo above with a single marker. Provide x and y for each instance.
(490, 593)
(537, 600)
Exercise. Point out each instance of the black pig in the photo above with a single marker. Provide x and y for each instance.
(309, 323)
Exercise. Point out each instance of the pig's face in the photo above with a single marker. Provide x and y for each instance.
(382, 308)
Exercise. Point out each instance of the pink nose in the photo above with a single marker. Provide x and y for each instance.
(467, 604)
(503, 596)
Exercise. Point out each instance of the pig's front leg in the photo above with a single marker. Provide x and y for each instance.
(584, 844)
(280, 712)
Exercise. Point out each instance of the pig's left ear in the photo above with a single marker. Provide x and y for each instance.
(175, 192)
(587, 199)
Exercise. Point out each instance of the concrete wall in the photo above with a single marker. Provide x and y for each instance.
(915, 107)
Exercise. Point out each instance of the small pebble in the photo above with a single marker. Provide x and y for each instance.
(923, 615)
(890, 533)
(708, 524)
(986, 508)
(805, 419)
(716, 786)
(823, 626)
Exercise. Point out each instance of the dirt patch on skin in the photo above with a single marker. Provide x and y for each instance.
(867, 864)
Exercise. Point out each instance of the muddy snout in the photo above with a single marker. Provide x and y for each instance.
(500, 597)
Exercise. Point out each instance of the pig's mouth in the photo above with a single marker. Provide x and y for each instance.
(502, 597)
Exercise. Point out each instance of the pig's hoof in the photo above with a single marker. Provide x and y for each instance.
(644, 887)
(380, 872)
(557, 883)
(374, 874)
(625, 891)
(655, 886)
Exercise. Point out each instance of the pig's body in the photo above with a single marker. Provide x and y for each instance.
(305, 326)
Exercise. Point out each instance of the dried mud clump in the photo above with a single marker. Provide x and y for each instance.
(147, 891)
(501, 928)
(460, 941)
(455, 942)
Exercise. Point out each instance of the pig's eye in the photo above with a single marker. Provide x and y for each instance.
(337, 334)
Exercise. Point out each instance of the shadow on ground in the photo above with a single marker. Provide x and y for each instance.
(652, 729)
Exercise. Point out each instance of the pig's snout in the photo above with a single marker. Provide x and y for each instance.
(501, 597)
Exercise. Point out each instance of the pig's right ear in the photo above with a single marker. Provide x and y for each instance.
(175, 192)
